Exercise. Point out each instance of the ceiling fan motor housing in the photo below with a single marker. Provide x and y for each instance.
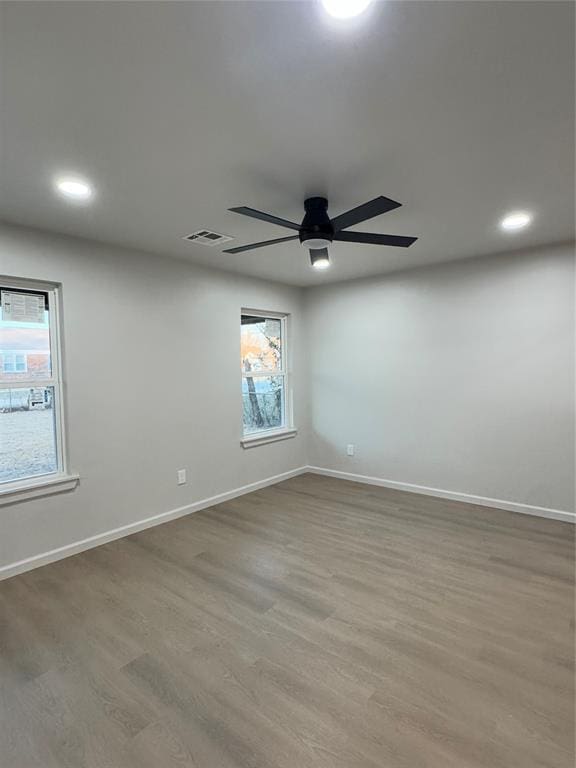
(316, 230)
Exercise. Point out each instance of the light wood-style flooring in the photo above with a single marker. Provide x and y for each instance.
(317, 623)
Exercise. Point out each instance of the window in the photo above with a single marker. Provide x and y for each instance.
(266, 399)
(14, 363)
(31, 435)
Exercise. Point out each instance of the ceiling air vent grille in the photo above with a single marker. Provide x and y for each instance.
(206, 237)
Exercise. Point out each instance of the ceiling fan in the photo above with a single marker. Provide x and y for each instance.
(317, 230)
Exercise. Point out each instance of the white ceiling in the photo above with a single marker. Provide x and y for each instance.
(178, 111)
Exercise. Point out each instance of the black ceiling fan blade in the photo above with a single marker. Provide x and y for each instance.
(400, 241)
(242, 248)
(364, 212)
(254, 214)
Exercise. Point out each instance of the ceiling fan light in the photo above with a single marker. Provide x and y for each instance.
(345, 9)
(319, 260)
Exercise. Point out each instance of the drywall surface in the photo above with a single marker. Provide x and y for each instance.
(152, 384)
(457, 377)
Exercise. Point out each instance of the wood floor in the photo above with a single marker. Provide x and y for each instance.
(314, 623)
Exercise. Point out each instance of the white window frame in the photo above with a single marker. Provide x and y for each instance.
(61, 479)
(287, 430)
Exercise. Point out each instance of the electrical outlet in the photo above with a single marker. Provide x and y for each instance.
(350, 449)
(181, 474)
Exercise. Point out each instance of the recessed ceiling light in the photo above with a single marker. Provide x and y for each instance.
(74, 188)
(320, 259)
(515, 220)
(345, 9)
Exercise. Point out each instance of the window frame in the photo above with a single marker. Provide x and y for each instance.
(287, 429)
(61, 479)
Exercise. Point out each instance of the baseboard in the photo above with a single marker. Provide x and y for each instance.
(467, 498)
(13, 569)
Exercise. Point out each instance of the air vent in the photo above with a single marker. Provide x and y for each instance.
(205, 237)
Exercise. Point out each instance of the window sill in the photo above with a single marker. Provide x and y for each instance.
(262, 438)
(11, 493)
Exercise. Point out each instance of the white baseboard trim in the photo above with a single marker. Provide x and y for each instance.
(467, 498)
(21, 566)
(13, 569)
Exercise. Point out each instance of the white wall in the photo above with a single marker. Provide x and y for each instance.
(152, 356)
(457, 377)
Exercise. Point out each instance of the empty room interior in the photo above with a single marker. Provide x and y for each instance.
(287, 346)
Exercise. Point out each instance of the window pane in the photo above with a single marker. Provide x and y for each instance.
(24, 349)
(27, 433)
(263, 402)
(261, 343)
